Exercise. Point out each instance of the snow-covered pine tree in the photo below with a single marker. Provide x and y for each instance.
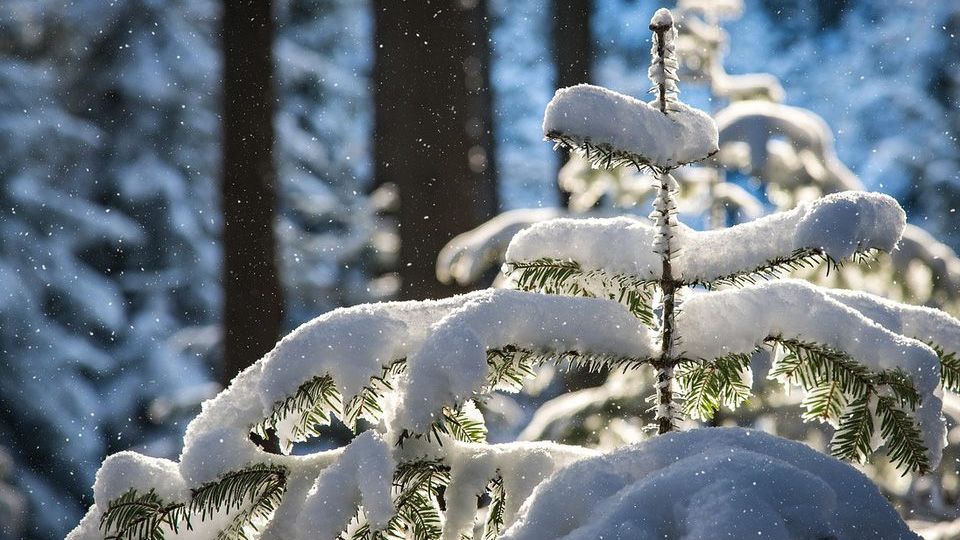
(613, 292)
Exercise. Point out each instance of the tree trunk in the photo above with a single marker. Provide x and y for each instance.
(252, 294)
(433, 130)
(572, 52)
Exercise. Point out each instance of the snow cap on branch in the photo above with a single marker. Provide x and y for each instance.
(837, 226)
(580, 116)
(452, 363)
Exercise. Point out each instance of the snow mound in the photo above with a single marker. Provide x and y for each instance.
(708, 483)
(586, 113)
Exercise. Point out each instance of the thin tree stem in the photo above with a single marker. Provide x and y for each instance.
(668, 286)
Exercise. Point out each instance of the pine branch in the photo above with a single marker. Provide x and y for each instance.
(851, 440)
(800, 259)
(366, 404)
(553, 276)
(949, 368)
(458, 425)
(420, 485)
(900, 386)
(498, 501)
(313, 404)
(825, 402)
(809, 365)
(601, 156)
(830, 378)
(706, 386)
(511, 365)
(902, 437)
(255, 492)
(317, 400)
(132, 517)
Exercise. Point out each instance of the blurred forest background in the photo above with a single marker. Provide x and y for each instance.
(183, 181)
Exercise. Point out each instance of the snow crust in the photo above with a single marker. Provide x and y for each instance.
(838, 224)
(662, 18)
(708, 483)
(522, 466)
(587, 113)
(739, 320)
(129, 470)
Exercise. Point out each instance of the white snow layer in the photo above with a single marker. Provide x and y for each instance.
(924, 324)
(838, 225)
(716, 324)
(362, 477)
(587, 113)
(708, 483)
(452, 363)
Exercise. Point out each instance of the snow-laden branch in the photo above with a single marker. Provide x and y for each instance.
(579, 117)
(708, 483)
(452, 364)
(738, 321)
(333, 361)
(921, 323)
(836, 226)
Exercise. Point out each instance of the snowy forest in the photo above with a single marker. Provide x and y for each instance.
(479, 269)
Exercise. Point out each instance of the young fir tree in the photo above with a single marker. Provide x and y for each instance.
(618, 293)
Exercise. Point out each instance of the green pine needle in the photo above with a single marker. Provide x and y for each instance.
(602, 156)
(498, 501)
(254, 492)
(840, 390)
(949, 368)
(554, 276)
(902, 437)
(706, 386)
(825, 402)
(851, 440)
(458, 425)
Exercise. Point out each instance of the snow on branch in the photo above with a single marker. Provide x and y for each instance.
(827, 342)
(580, 116)
(452, 364)
(761, 124)
(708, 483)
(835, 228)
(931, 326)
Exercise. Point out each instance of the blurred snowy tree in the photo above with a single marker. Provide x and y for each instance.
(332, 238)
(110, 254)
(107, 236)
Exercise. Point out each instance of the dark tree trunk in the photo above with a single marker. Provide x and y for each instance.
(572, 51)
(252, 295)
(433, 132)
